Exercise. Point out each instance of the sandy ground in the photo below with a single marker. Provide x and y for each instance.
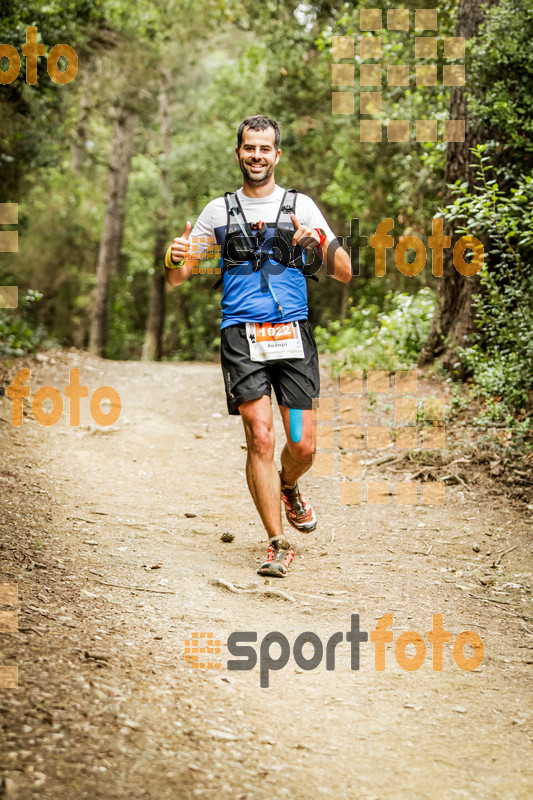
(112, 537)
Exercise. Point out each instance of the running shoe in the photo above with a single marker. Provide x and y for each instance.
(297, 510)
(280, 555)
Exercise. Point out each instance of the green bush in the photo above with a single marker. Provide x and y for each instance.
(500, 352)
(370, 338)
(500, 76)
(20, 333)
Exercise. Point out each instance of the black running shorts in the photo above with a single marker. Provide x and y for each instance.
(296, 381)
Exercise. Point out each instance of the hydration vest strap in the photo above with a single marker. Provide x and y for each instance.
(236, 214)
(284, 222)
(287, 207)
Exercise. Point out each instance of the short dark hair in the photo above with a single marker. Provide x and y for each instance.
(260, 123)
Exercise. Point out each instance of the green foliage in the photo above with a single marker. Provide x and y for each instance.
(193, 322)
(500, 78)
(500, 353)
(499, 211)
(374, 339)
(60, 226)
(31, 116)
(20, 333)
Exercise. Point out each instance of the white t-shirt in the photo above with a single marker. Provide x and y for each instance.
(215, 214)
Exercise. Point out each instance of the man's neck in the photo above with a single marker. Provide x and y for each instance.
(250, 190)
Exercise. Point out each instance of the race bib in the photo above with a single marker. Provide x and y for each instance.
(272, 340)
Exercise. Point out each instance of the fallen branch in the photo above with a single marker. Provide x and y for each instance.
(377, 462)
(490, 599)
(458, 461)
(424, 472)
(421, 552)
(497, 562)
(30, 630)
(318, 597)
(458, 478)
(265, 592)
(452, 475)
(134, 588)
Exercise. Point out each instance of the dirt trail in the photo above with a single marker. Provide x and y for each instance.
(107, 707)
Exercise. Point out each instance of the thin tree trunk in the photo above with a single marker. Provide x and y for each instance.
(453, 318)
(343, 305)
(77, 150)
(113, 229)
(155, 321)
(152, 348)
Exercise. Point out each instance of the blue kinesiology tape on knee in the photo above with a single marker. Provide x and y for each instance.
(296, 420)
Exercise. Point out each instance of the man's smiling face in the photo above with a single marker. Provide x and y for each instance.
(257, 155)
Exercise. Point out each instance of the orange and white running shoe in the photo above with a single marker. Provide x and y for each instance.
(297, 510)
(279, 557)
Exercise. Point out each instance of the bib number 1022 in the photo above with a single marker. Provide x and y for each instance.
(282, 331)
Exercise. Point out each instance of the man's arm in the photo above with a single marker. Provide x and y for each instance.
(179, 275)
(337, 260)
(192, 248)
(178, 252)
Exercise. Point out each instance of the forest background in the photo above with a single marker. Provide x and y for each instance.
(107, 169)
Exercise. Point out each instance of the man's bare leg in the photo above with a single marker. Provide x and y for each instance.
(296, 457)
(261, 472)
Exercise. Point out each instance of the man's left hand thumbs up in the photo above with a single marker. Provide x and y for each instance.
(304, 236)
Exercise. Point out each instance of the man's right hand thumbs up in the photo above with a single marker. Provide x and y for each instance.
(180, 246)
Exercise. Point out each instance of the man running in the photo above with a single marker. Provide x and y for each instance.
(266, 339)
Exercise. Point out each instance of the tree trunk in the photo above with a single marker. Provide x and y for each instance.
(153, 336)
(77, 150)
(453, 318)
(152, 348)
(113, 229)
(343, 304)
